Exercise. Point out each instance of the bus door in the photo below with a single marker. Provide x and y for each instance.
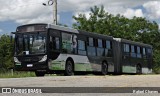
(126, 58)
(54, 44)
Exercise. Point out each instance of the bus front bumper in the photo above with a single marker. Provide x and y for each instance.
(31, 66)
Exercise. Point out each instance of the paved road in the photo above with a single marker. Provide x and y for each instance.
(84, 81)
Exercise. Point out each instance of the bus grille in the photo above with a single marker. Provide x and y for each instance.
(29, 59)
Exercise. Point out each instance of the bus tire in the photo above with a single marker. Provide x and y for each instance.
(39, 74)
(68, 68)
(104, 68)
(138, 69)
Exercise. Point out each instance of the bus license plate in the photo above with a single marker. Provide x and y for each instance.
(29, 65)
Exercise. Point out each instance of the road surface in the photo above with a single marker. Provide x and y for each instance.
(83, 81)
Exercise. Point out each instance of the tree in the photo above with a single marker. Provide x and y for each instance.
(6, 52)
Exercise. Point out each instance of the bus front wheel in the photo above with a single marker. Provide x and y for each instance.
(39, 74)
(104, 68)
(68, 68)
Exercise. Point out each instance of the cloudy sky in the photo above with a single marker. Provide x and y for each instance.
(16, 12)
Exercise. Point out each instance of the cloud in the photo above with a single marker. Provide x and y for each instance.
(125, 7)
(86, 13)
(32, 11)
(83, 5)
(22, 11)
(152, 8)
(130, 13)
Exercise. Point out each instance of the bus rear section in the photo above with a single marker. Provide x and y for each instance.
(133, 57)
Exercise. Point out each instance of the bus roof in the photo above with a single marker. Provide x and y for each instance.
(132, 42)
(62, 28)
(96, 35)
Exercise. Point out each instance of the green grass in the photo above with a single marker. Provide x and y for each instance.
(8, 74)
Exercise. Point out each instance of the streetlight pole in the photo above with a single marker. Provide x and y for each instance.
(55, 12)
(54, 3)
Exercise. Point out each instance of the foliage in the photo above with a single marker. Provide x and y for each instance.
(136, 29)
(6, 52)
(15, 74)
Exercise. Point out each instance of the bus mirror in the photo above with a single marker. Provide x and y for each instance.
(11, 36)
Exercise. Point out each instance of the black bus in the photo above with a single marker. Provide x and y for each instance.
(47, 49)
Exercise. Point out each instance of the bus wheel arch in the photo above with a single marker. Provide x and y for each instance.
(104, 68)
(138, 69)
(69, 67)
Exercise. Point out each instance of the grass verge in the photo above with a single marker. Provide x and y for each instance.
(15, 74)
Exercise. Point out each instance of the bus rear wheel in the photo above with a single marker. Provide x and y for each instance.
(104, 68)
(39, 74)
(139, 69)
(68, 68)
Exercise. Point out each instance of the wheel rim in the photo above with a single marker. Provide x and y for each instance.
(104, 68)
(69, 67)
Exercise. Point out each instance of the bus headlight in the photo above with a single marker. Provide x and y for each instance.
(44, 58)
(16, 60)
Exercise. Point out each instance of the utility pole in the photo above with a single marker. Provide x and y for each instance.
(55, 12)
(54, 3)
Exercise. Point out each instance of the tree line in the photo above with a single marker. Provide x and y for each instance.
(137, 29)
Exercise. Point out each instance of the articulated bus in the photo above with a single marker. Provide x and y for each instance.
(51, 49)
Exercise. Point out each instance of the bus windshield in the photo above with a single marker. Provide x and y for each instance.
(30, 43)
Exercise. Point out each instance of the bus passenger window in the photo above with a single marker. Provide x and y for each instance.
(126, 47)
(108, 44)
(144, 51)
(67, 43)
(108, 50)
(100, 43)
(133, 51)
(149, 51)
(90, 41)
(81, 47)
(139, 52)
(54, 43)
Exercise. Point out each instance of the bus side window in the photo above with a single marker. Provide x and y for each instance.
(149, 51)
(100, 49)
(91, 49)
(144, 52)
(126, 48)
(91, 43)
(133, 52)
(108, 50)
(100, 43)
(108, 44)
(81, 47)
(66, 42)
(139, 52)
(54, 43)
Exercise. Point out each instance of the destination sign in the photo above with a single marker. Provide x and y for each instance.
(31, 28)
